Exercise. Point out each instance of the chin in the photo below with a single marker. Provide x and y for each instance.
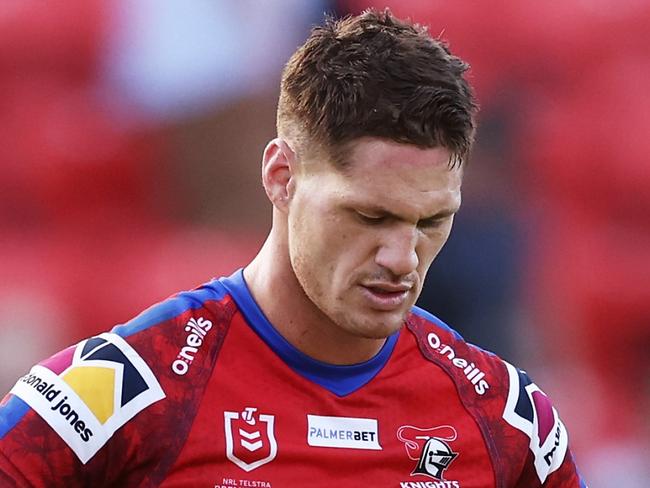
(373, 328)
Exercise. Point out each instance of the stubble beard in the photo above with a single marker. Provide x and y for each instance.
(358, 321)
(341, 310)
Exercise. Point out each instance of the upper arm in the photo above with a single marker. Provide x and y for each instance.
(549, 462)
(60, 415)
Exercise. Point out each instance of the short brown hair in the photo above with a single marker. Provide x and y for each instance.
(379, 76)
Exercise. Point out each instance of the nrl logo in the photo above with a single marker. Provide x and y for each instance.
(429, 448)
(250, 441)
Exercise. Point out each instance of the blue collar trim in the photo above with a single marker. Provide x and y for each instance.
(340, 380)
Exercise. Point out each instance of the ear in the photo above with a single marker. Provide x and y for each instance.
(279, 164)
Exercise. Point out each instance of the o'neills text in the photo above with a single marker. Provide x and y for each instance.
(470, 370)
(197, 331)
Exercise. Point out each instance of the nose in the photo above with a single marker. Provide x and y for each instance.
(397, 252)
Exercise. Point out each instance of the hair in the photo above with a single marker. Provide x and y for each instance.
(374, 75)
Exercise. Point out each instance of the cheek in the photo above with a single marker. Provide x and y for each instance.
(326, 247)
(313, 248)
(431, 246)
(342, 253)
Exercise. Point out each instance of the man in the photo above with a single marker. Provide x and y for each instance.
(311, 367)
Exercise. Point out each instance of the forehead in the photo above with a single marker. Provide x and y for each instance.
(398, 177)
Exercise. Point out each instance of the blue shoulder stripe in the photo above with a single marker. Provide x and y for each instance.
(172, 307)
(432, 318)
(11, 413)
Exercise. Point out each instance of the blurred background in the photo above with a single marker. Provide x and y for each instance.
(131, 134)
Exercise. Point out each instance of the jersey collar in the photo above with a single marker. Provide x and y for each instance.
(340, 380)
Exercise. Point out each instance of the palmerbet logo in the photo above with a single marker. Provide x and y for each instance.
(88, 391)
(342, 432)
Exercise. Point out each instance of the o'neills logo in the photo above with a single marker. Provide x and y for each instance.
(470, 370)
(197, 328)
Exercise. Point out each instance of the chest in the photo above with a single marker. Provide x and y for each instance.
(260, 424)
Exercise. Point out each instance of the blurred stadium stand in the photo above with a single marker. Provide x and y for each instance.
(131, 138)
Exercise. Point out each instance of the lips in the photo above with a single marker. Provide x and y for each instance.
(387, 287)
(385, 296)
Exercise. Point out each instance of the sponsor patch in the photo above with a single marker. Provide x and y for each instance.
(250, 438)
(88, 391)
(343, 432)
(529, 410)
(431, 449)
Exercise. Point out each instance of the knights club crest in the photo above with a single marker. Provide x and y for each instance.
(250, 441)
(430, 448)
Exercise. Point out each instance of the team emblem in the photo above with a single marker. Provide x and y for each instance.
(250, 440)
(529, 410)
(430, 448)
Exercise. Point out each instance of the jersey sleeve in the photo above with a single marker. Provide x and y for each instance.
(548, 462)
(67, 408)
(115, 409)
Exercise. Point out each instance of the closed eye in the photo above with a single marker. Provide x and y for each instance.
(432, 223)
(371, 219)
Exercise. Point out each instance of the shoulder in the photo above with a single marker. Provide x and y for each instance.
(208, 298)
(517, 418)
(475, 370)
(109, 392)
(177, 335)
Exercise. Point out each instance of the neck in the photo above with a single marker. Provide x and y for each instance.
(276, 290)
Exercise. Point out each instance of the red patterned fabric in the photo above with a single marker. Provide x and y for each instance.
(438, 413)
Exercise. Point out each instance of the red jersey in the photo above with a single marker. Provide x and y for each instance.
(201, 390)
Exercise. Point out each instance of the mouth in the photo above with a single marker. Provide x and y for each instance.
(385, 297)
